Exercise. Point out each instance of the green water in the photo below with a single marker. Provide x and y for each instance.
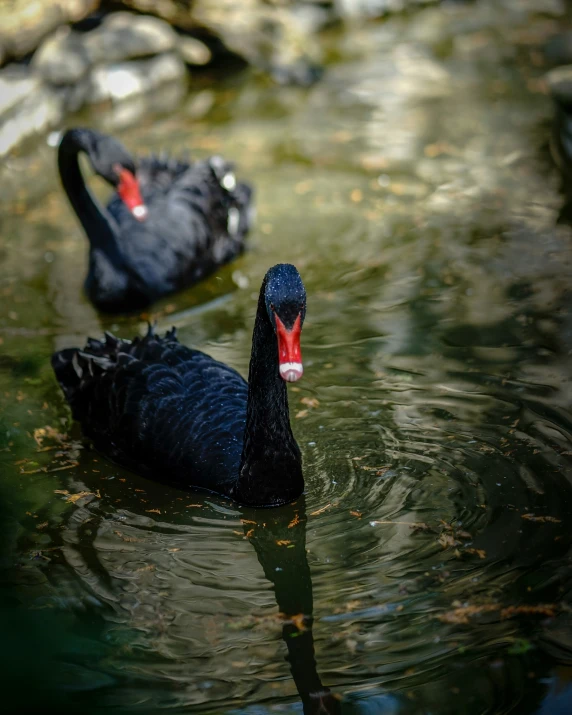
(412, 189)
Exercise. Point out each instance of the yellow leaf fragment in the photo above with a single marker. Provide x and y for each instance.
(541, 519)
(378, 470)
(297, 620)
(76, 497)
(295, 520)
(543, 609)
(446, 541)
(462, 614)
(48, 432)
(321, 510)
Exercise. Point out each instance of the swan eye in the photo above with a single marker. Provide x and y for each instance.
(119, 169)
(272, 308)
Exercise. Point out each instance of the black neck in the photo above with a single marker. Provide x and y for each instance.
(99, 225)
(271, 466)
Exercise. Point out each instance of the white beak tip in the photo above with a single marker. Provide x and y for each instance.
(140, 212)
(229, 181)
(291, 371)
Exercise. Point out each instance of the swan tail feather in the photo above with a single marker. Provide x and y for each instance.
(75, 367)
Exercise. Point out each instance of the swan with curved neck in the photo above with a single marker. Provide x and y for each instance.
(169, 224)
(172, 413)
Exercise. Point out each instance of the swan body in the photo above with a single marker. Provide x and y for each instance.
(164, 410)
(169, 224)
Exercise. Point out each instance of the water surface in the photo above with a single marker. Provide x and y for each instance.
(427, 568)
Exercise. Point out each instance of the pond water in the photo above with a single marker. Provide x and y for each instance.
(428, 566)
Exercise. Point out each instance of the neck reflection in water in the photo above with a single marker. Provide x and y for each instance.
(179, 586)
(279, 539)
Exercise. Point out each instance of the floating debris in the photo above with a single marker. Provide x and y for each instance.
(541, 519)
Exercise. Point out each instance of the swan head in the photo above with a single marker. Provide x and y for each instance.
(285, 298)
(116, 166)
(129, 192)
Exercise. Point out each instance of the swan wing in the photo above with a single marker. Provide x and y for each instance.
(158, 407)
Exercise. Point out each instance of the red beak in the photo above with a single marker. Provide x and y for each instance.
(289, 351)
(130, 193)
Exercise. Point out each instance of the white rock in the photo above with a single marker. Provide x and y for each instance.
(36, 113)
(375, 8)
(16, 83)
(123, 80)
(560, 82)
(121, 115)
(124, 36)
(193, 51)
(61, 59)
(200, 104)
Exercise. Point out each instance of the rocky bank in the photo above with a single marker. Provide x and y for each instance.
(59, 56)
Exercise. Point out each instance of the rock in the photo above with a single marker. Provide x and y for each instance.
(124, 80)
(200, 104)
(24, 24)
(123, 36)
(62, 58)
(74, 96)
(16, 83)
(315, 16)
(377, 8)
(26, 107)
(266, 35)
(558, 49)
(162, 101)
(554, 8)
(193, 51)
(560, 83)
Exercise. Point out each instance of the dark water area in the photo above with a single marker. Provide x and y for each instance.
(428, 567)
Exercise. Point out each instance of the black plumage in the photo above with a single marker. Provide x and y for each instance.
(176, 414)
(196, 218)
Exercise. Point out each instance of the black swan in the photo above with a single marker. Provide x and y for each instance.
(169, 224)
(164, 410)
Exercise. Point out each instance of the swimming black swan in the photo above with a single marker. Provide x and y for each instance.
(170, 223)
(166, 411)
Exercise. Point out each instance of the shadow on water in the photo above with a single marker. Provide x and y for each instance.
(68, 669)
(279, 539)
